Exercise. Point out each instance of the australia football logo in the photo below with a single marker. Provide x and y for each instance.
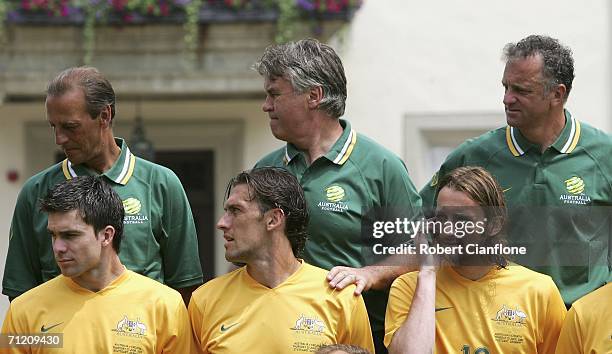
(133, 207)
(335, 198)
(310, 324)
(434, 180)
(574, 185)
(334, 193)
(511, 316)
(575, 188)
(132, 328)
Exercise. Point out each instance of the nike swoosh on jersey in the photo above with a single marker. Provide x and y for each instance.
(44, 329)
(224, 328)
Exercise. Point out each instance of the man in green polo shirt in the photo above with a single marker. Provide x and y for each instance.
(344, 174)
(556, 171)
(160, 239)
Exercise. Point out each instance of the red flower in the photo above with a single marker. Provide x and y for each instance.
(333, 6)
(163, 7)
(119, 4)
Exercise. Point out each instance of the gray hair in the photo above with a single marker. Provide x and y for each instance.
(558, 67)
(306, 64)
(97, 89)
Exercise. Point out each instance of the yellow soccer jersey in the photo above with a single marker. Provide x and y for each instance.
(133, 314)
(588, 326)
(513, 310)
(236, 314)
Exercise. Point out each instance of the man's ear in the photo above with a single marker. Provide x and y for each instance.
(558, 94)
(315, 96)
(495, 226)
(275, 218)
(107, 235)
(106, 116)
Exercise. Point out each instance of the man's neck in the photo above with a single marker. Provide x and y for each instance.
(109, 153)
(473, 272)
(546, 134)
(100, 277)
(274, 271)
(323, 135)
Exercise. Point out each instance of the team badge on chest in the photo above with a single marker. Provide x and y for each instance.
(335, 199)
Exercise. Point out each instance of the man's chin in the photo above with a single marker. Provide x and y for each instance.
(67, 273)
(279, 135)
(235, 260)
(74, 159)
(513, 121)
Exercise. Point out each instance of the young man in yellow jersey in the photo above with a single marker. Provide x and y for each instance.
(276, 303)
(96, 305)
(480, 303)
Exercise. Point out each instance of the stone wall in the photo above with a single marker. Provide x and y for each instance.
(144, 60)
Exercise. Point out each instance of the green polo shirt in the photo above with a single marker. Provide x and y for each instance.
(356, 175)
(558, 199)
(159, 239)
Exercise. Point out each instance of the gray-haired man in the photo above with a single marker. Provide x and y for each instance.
(342, 172)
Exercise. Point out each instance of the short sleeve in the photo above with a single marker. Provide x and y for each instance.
(355, 328)
(570, 338)
(555, 314)
(196, 317)
(399, 189)
(178, 338)
(179, 244)
(400, 299)
(11, 326)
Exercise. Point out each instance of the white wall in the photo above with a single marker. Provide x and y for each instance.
(12, 158)
(405, 57)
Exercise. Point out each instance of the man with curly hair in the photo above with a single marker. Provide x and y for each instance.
(555, 170)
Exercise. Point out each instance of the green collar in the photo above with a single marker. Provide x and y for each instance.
(120, 172)
(565, 143)
(339, 152)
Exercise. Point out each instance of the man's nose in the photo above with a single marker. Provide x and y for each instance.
(509, 98)
(60, 137)
(59, 246)
(223, 223)
(267, 105)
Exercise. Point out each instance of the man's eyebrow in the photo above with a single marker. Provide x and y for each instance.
(228, 205)
(65, 232)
